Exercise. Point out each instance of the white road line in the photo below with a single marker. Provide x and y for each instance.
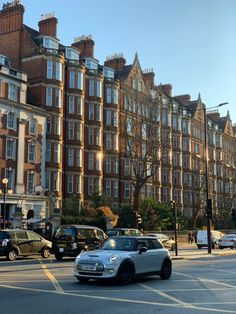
(52, 278)
(206, 280)
(118, 299)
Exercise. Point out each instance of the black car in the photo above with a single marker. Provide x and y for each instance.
(70, 240)
(19, 242)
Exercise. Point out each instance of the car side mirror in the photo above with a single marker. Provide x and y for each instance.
(142, 250)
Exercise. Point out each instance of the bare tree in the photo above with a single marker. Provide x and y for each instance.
(142, 141)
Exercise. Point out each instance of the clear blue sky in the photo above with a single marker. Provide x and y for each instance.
(190, 44)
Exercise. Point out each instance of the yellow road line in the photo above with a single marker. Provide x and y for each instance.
(52, 278)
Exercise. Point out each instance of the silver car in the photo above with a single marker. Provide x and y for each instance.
(124, 258)
(228, 241)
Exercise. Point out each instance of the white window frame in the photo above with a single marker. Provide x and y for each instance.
(70, 161)
(49, 69)
(91, 87)
(10, 148)
(90, 161)
(49, 96)
(70, 183)
(71, 104)
(31, 152)
(71, 79)
(11, 120)
(91, 111)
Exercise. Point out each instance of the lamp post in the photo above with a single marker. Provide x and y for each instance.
(176, 234)
(208, 200)
(5, 190)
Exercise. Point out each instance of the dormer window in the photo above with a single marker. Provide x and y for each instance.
(50, 43)
(108, 73)
(72, 54)
(91, 64)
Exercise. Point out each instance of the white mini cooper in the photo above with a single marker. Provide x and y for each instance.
(123, 259)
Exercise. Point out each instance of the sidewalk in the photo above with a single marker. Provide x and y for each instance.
(190, 251)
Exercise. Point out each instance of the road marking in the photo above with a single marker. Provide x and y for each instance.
(165, 295)
(52, 278)
(118, 299)
(206, 280)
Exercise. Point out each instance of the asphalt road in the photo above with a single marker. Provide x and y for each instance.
(199, 285)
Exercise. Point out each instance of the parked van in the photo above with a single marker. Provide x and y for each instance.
(202, 238)
(70, 240)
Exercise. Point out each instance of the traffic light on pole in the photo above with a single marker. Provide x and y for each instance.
(139, 219)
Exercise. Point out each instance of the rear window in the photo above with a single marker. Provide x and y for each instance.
(65, 233)
(4, 235)
(21, 235)
(112, 233)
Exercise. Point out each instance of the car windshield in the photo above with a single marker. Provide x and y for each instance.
(121, 244)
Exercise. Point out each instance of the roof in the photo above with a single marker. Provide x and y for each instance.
(123, 73)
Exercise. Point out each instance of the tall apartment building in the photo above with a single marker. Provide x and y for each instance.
(22, 145)
(88, 103)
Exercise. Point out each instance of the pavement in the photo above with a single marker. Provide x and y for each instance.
(190, 251)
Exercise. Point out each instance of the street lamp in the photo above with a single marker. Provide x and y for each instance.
(176, 234)
(5, 190)
(208, 201)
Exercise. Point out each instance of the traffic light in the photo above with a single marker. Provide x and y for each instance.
(233, 214)
(209, 208)
(139, 219)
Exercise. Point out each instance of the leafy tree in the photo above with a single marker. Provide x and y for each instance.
(126, 216)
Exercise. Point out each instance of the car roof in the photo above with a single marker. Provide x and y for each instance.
(132, 237)
(122, 229)
(79, 226)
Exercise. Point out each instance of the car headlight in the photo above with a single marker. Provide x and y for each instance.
(113, 258)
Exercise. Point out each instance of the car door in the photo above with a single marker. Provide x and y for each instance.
(35, 242)
(22, 242)
(143, 261)
(157, 254)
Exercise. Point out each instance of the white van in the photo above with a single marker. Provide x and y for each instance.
(202, 238)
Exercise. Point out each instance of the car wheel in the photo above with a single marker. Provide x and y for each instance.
(46, 252)
(213, 245)
(221, 247)
(166, 269)
(58, 256)
(125, 274)
(172, 247)
(11, 255)
(199, 247)
(82, 279)
(231, 247)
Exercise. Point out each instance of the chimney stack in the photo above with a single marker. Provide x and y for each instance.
(11, 17)
(116, 61)
(166, 89)
(85, 45)
(183, 99)
(148, 76)
(48, 25)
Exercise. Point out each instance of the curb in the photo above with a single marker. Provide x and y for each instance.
(196, 256)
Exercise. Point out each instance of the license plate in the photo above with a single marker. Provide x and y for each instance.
(61, 249)
(88, 267)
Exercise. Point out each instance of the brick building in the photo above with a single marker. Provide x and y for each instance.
(88, 105)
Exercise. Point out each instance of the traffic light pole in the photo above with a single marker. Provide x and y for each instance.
(208, 201)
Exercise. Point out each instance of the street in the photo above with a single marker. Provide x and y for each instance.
(198, 285)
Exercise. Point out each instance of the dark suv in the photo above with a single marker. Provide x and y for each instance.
(70, 240)
(19, 242)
